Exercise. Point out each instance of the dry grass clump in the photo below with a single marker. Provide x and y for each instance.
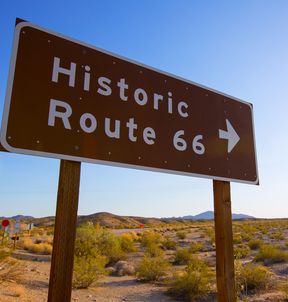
(195, 282)
(18, 291)
(195, 247)
(255, 244)
(210, 233)
(181, 235)
(168, 243)
(278, 235)
(241, 252)
(42, 248)
(251, 278)
(154, 250)
(152, 268)
(237, 238)
(284, 289)
(270, 254)
(10, 269)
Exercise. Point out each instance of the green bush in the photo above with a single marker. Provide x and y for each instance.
(182, 256)
(270, 254)
(127, 243)
(90, 238)
(87, 270)
(251, 277)
(151, 241)
(255, 244)
(110, 246)
(89, 262)
(152, 268)
(149, 237)
(195, 282)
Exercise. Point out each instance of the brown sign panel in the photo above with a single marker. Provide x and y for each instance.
(69, 100)
(2, 148)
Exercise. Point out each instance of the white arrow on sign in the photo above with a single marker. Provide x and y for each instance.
(231, 135)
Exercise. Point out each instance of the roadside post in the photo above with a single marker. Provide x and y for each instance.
(93, 106)
(5, 223)
(64, 233)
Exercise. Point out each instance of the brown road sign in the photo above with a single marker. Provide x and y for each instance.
(2, 148)
(69, 100)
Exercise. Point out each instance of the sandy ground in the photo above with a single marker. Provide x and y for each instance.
(33, 285)
(35, 280)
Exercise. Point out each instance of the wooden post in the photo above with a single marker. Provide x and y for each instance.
(61, 271)
(224, 242)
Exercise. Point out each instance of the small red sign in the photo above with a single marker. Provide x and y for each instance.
(5, 223)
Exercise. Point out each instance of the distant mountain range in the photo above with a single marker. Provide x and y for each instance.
(117, 221)
(209, 215)
(18, 217)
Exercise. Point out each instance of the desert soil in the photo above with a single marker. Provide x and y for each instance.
(35, 280)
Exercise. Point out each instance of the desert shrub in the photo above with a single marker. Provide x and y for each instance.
(168, 243)
(50, 232)
(210, 233)
(127, 243)
(241, 252)
(255, 244)
(4, 253)
(284, 289)
(270, 254)
(181, 235)
(149, 237)
(109, 245)
(87, 270)
(154, 250)
(251, 277)
(151, 241)
(195, 247)
(37, 248)
(182, 256)
(42, 248)
(152, 268)
(89, 262)
(90, 238)
(237, 238)
(193, 283)
(277, 235)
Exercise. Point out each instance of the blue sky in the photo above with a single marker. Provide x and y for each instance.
(237, 47)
